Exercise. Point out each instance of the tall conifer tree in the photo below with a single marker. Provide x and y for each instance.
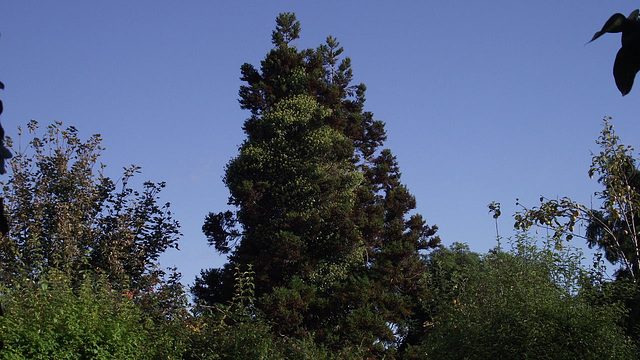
(324, 220)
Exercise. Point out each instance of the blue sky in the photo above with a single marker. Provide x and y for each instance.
(483, 101)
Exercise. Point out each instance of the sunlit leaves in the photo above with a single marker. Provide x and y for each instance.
(64, 318)
(614, 226)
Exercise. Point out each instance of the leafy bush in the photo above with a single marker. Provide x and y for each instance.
(53, 319)
(239, 331)
(523, 304)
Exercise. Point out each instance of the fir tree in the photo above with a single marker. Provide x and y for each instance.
(324, 218)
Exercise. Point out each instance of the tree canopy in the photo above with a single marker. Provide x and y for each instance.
(324, 219)
(65, 216)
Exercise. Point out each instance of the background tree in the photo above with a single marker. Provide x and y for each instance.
(324, 218)
(613, 227)
(518, 304)
(78, 268)
(66, 217)
(448, 271)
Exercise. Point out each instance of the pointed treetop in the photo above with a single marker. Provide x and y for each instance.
(287, 29)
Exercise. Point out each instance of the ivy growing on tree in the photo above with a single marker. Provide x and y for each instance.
(321, 214)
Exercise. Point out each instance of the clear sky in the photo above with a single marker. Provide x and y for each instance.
(483, 101)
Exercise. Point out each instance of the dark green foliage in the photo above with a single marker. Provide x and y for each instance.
(324, 217)
(287, 29)
(520, 304)
(213, 338)
(214, 285)
(448, 271)
(238, 330)
(218, 228)
(293, 191)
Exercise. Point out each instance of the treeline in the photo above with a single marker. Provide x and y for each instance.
(326, 256)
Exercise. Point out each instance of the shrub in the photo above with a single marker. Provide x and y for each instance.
(53, 319)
